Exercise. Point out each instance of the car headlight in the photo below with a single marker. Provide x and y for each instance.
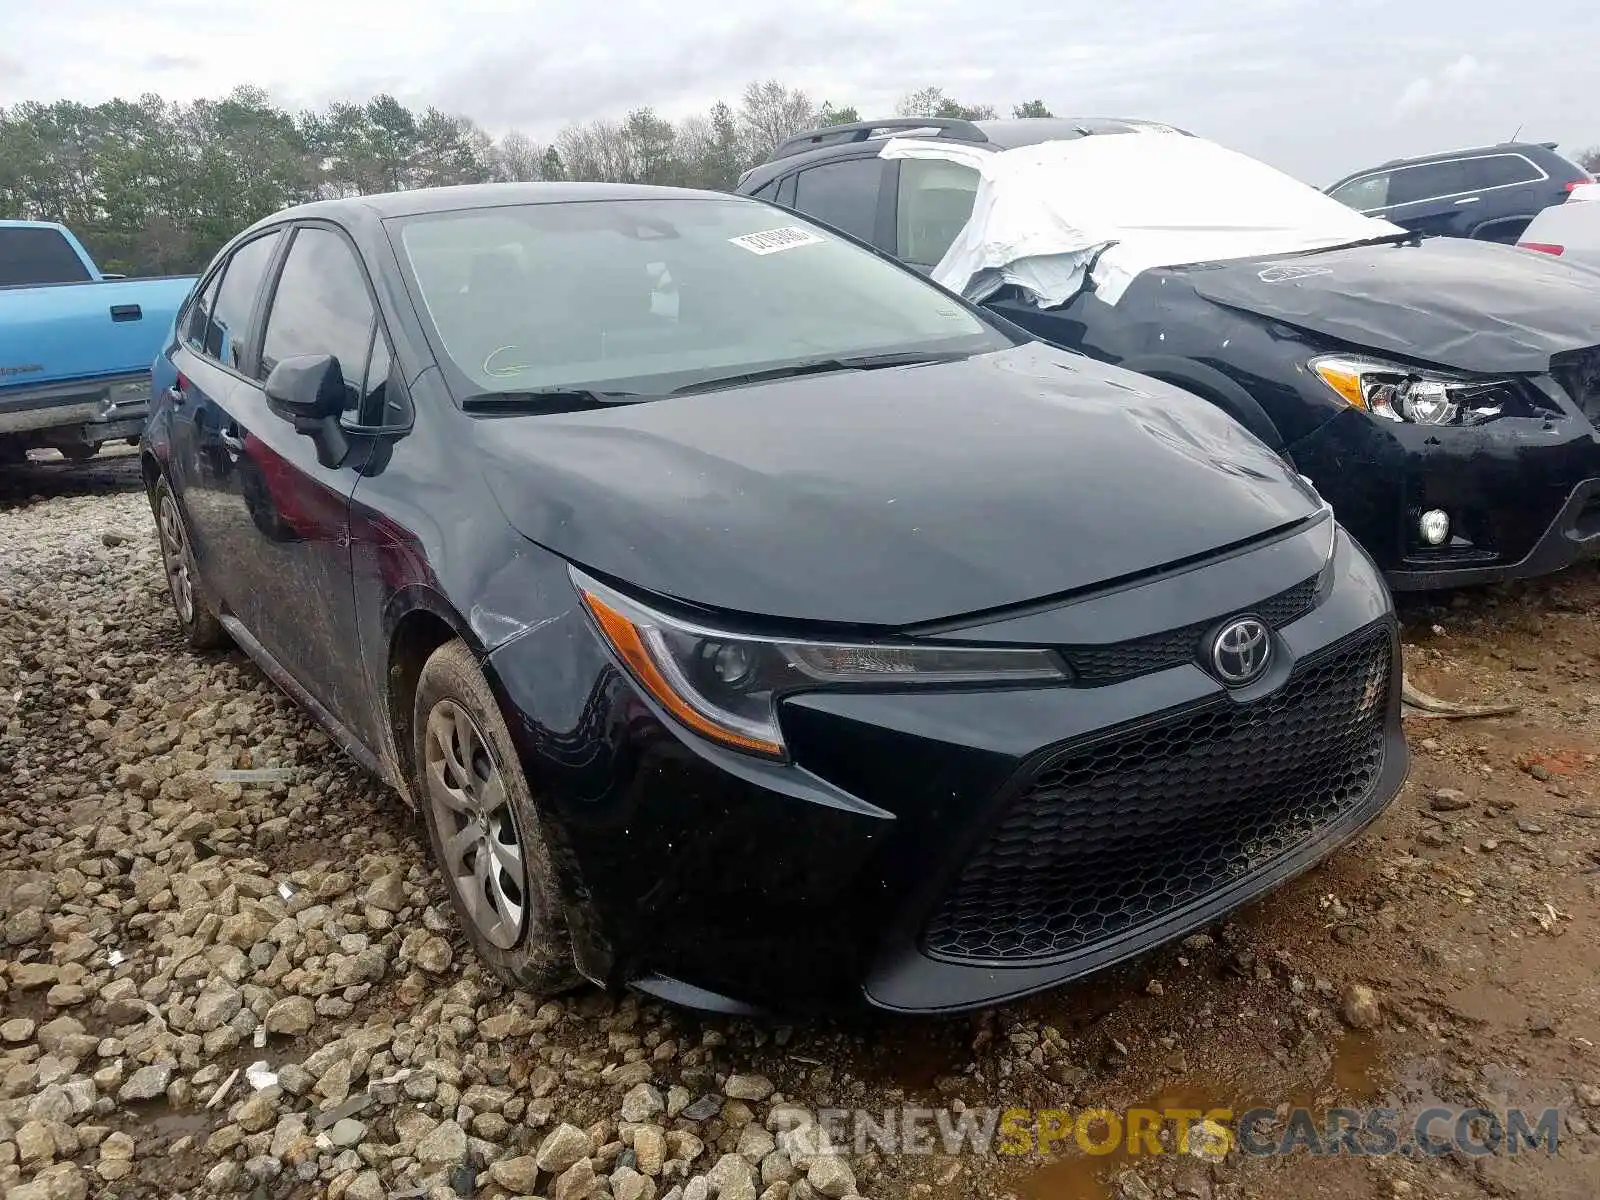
(726, 686)
(1400, 393)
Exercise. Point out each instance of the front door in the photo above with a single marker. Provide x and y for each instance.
(301, 606)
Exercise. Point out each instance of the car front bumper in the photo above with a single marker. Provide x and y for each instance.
(1522, 494)
(931, 851)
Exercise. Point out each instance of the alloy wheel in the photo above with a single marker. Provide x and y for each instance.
(479, 841)
(176, 557)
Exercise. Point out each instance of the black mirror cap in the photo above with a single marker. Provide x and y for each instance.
(306, 387)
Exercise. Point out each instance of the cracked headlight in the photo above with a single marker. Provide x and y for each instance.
(725, 686)
(1400, 393)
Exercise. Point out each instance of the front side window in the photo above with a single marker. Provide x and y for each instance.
(935, 201)
(647, 295)
(844, 194)
(1364, 194)
(322, 306)
(383, 402)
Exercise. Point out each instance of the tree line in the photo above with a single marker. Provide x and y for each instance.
(155, 187)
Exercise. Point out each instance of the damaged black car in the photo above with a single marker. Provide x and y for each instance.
(753, 622)
(1444, 395)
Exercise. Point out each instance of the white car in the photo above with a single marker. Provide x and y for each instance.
(1570, 230)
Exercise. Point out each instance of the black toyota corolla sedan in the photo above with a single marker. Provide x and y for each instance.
(754, 622)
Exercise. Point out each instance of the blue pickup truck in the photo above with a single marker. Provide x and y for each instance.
(75, 344)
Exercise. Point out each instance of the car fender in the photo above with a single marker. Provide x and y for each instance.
(1211, 385)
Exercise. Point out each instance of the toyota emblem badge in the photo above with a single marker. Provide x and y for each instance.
(1241, 650)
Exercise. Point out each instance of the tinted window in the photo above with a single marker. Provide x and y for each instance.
(934, 203)
(768, 190)
(1364, 194)
(1430, 181)
(381, 403)
(1502, 170)
(33, 256)
(648, 295)
(321, 306)
(230, 333)
(198, 319)
(844, 194)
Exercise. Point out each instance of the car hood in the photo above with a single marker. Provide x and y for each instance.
(1472, 306)
(894, 496)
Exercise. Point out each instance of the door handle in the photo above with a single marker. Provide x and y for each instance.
(175, 394)
(1469, 200)
(231, 441)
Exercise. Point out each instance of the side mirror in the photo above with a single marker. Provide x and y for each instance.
(308, 391)
(307, 387)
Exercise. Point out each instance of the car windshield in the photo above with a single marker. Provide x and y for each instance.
(649, 295)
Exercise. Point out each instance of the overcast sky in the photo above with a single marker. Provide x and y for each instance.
(1317, 89)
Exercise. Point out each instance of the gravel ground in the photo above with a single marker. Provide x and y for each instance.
(215, 985)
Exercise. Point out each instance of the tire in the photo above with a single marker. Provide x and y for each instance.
(484, 836)
(201, 628)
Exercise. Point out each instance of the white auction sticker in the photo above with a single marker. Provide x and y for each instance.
(770, 241)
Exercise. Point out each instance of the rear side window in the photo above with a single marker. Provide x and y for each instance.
(230, 333)
(321, 306)
(34, 256)
(843, 194)
(935, 201)
(1502, 170)
(767, 191)
(1429, 181)
(198, 319)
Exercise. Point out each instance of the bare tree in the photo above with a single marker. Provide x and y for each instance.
(771, 112)
(597, 151)
(516, 158)
(932, 102)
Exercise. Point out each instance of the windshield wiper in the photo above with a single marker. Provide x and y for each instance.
(820, 366)
(555, 399)
(1383, 239)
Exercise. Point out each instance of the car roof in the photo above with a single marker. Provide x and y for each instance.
(384, 205)
(1540, 151)
(1008, 133)
(1538, 148)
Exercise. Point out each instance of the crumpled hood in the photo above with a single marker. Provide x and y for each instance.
(1472, 306)
(891, 497)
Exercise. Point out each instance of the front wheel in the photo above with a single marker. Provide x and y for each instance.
(485, 829)
(201, 629)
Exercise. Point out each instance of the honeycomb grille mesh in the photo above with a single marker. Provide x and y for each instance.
(1120, 833)
(1094, 666)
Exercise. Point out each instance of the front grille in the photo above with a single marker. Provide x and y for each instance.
(1121, 832)
(1579, 373)
(1095, 666)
